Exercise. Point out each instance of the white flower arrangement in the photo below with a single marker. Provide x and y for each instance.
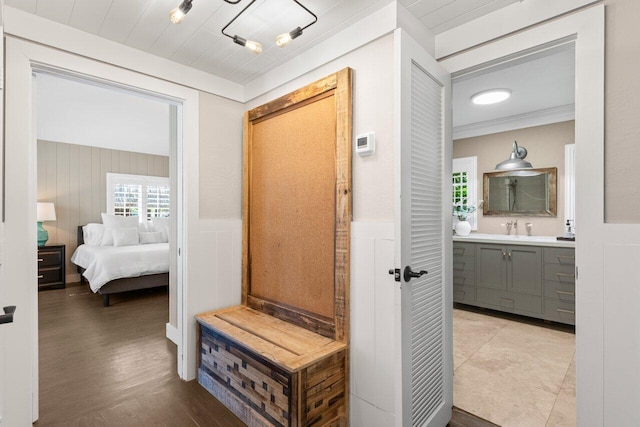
(462, 212)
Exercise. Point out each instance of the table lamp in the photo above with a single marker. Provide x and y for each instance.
(46, 212)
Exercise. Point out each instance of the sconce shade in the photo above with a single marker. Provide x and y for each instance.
(515, 160)
(46, 212)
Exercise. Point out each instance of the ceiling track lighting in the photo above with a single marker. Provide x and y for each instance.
(177, 16)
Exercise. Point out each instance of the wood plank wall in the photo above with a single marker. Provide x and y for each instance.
(74, 178)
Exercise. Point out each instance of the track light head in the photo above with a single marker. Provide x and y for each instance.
(286, 38)
(254, 47)
(177, 15)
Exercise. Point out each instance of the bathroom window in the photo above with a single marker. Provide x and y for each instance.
(464, 185)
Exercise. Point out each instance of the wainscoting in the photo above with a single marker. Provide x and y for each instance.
(373, 323)
(74, 178)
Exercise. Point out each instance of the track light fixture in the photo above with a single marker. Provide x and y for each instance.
(177, 15)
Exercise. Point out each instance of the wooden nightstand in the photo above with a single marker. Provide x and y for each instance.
(51, 266)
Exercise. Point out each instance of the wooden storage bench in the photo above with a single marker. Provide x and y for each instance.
(271, 372)
(282, 357)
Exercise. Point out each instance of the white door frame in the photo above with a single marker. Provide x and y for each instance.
(587, 30)
(19, 265)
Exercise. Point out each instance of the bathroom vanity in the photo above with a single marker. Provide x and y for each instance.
(527, 275)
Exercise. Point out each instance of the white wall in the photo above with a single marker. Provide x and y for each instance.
(372, 250)
(86, 114)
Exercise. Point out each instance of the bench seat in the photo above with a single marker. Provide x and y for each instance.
(271, 372)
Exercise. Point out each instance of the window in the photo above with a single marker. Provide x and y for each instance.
(138, 195)
(464, 180)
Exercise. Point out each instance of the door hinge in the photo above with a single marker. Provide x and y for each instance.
(395, 273)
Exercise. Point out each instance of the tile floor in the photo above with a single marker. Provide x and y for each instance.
(513, 373)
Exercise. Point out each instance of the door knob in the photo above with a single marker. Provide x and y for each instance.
(409, 274)
(7, 317)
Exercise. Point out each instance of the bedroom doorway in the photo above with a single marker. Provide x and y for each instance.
(107, 155)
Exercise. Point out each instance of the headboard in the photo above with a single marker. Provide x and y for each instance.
(80, 237)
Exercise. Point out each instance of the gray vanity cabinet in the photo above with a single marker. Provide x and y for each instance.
(464, 272)
(509, 278)
(532, 281)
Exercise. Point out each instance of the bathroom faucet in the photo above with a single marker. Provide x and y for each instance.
(515, 226)
(508, 225)
(528, 226)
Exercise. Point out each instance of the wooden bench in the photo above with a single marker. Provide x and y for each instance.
(282, 357)
(271, 372)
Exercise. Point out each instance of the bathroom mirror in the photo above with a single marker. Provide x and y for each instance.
(530, 192)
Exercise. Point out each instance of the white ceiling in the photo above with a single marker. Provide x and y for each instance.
(85, 114)
(197, 41)
(542, 85)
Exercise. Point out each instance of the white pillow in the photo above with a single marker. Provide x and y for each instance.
(163, 226)
(119, 221)
(107, 237)
(125, 236)
(92, 234)
(150, 237)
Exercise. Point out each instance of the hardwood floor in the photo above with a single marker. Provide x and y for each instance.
(113, 366)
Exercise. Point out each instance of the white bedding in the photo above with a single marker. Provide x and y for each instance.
(106, 263)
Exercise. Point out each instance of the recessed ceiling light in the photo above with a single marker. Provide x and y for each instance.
(491, 96)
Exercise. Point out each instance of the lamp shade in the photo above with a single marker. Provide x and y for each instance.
(46, 212)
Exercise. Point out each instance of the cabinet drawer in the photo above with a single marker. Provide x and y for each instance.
(463, 249)
(464, 294)
(48, 258)
(51, 275)
(509, 301)
(263, 386)
(464, 277)
(560, 256)
(560, 311)
(464, 263)
(563, 273)
(559, 291)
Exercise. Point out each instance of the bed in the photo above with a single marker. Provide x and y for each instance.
(109, 269)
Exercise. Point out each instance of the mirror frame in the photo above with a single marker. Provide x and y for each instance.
(553, 194)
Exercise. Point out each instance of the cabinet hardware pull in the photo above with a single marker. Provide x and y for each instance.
(40, 260)
(565, 256)
(40, 276)
(509, 256)
(562, 310)
(504, 254)
(565, 275)
(573, 294)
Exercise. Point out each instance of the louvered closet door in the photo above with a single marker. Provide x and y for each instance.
(425, 245)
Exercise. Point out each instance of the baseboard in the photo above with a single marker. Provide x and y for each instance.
(172, 333)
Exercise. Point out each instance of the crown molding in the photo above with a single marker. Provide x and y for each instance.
(546, 116)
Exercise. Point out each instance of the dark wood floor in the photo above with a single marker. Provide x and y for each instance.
(113, 366)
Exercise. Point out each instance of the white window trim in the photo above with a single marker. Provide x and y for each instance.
(470, 166)
(144, 180)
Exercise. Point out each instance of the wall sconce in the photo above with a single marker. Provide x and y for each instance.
(515, 160)
(177, 15)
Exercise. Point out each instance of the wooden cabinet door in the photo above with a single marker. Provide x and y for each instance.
(524, 269)
(491, 269)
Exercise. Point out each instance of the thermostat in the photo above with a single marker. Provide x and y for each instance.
(366, 144)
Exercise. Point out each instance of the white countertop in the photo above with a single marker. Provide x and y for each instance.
(515, 240)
